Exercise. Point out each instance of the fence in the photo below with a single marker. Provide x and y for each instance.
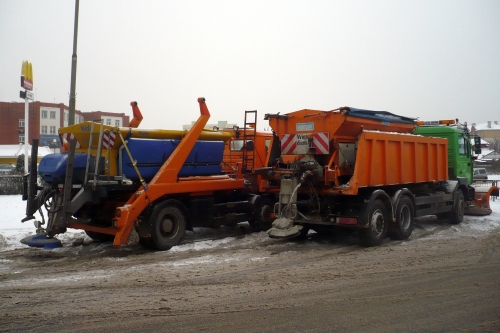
(11, 184)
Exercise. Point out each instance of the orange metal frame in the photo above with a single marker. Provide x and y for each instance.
(167, 182)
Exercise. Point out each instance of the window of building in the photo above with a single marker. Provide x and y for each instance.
(52, 115)
(108, 121)
(21, 122)
(66, 116)
(21, 138)
(52, 130)
(44, 129)
(44, 114)
(117, 122)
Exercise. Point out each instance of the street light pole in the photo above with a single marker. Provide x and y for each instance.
(26, 134)
(72, 93)
(27, 94)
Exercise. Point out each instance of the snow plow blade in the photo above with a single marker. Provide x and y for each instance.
(481, 204)
(41, 240)
(284, 228)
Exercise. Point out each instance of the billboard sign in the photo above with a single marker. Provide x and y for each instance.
(27, 76)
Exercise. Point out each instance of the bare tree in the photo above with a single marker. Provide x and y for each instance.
(494, 144)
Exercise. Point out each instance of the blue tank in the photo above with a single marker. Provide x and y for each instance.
(52, 167)
(205, 158)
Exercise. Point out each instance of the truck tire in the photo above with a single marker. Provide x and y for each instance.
(264, 215)
(456, 216)
(168, 225)
(405, 218)
(378, 223)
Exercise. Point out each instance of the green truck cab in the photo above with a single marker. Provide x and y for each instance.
(460, 160)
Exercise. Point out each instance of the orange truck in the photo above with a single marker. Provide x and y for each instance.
(159, 182)
(369, 170)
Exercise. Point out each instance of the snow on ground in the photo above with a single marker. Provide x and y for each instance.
(12, 230)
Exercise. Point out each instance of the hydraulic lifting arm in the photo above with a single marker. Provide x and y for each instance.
(134, 123)
(127, 214)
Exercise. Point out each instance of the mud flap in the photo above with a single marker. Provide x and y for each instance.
(284, 228)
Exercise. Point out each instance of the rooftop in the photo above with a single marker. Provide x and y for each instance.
(8, 151)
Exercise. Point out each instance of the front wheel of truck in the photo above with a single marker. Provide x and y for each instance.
(457, 214)
(168, 225)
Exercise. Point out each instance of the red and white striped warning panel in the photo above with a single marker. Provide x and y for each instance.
(298, 144)
(70, 136)
(108, 139)
(288, 144)
(321, 141)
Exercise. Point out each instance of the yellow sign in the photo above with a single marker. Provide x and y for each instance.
(27, 76)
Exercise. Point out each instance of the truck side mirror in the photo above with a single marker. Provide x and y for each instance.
(477, 145)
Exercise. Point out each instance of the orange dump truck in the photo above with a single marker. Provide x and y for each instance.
(366, 170)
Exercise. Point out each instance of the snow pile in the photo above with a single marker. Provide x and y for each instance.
(12, 230)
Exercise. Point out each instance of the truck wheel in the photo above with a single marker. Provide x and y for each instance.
(264, 216)
(405, 217)
(378, 222)
(457, 214)
(168, 226)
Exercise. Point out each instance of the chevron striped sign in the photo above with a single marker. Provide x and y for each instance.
(298, 144)
(70, 136)
(108, 139)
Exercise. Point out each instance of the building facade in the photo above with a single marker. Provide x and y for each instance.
(487, 131)
(222, 124)
(45, 119)
(110, 118)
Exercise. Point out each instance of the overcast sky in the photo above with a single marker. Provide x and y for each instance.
(428, 59)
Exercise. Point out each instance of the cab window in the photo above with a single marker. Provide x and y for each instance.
(462, 146)
(236, 145)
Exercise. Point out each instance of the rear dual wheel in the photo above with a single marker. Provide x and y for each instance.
(378, 223)
(405, 219)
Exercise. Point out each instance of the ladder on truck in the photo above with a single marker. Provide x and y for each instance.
(95, 166)
(249, 135)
